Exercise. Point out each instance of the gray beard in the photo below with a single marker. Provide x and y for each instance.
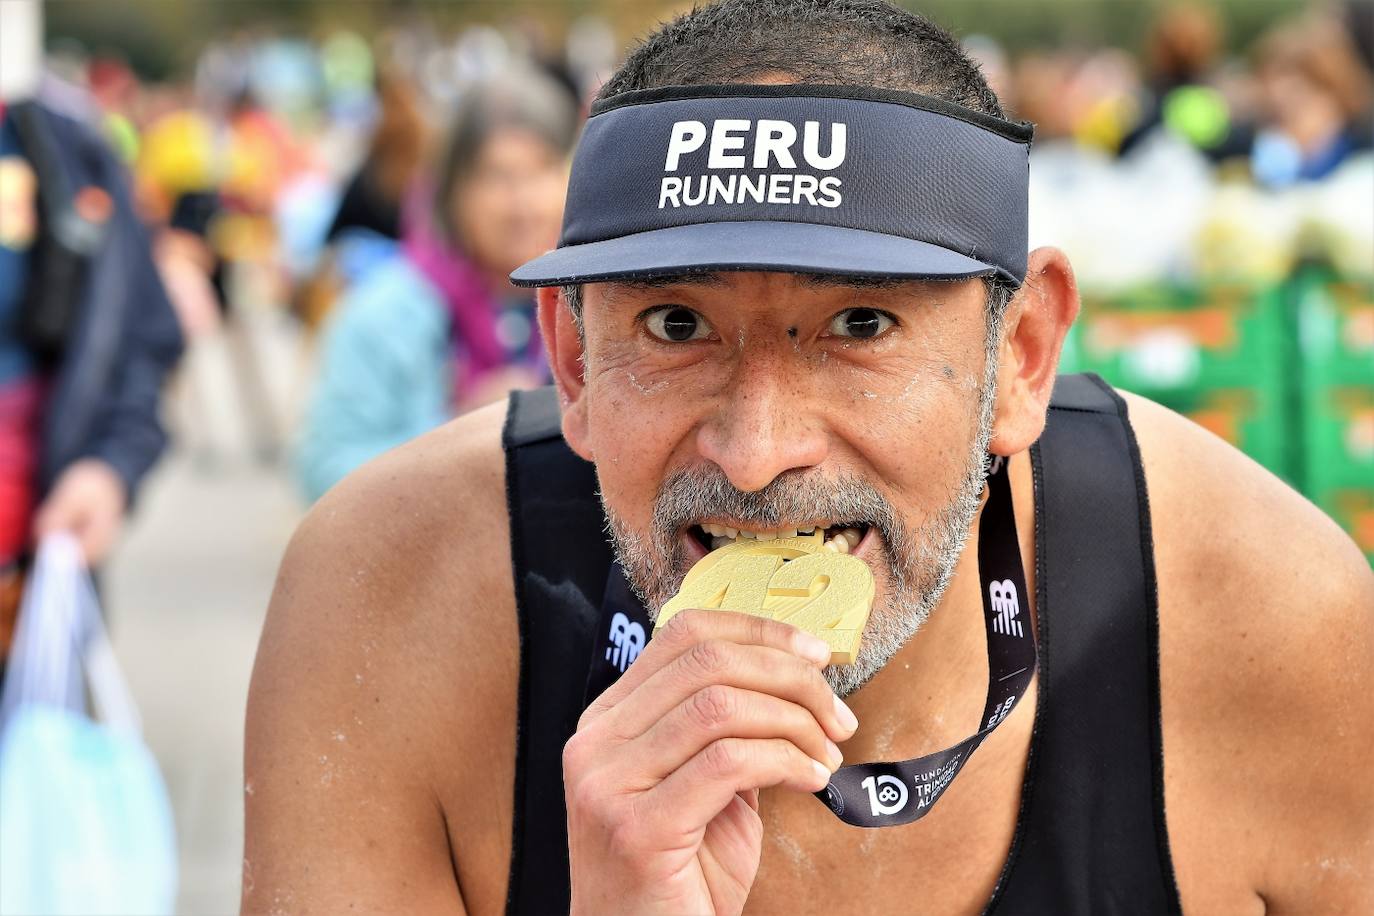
(918, 568)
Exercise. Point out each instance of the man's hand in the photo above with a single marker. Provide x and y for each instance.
(88, 501)
(662, 776)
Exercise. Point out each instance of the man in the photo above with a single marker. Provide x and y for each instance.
(841, 349)
(87, 337)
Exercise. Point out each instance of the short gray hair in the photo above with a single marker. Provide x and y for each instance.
(572, 294)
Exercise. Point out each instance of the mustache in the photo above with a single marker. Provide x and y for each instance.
(704, 491)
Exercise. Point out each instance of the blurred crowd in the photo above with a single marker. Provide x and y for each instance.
(1191, 160)
(379, 188)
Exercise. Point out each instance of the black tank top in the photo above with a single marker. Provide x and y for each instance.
(1090, 835)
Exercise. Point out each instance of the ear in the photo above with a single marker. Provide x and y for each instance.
(563, 346)
(1037, 319)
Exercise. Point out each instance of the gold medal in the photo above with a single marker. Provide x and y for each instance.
(794, 580)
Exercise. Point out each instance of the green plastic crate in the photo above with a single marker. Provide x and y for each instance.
(1335, 321)
(1221, 355)
(1162, 339)
(1285, 373)
(1252, 419)
(1338, 437)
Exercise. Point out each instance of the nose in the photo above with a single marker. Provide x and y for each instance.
(762, 428)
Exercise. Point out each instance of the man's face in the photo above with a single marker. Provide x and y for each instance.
(768, 402)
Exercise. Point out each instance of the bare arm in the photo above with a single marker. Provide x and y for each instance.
(1267, 678)
(369, 688)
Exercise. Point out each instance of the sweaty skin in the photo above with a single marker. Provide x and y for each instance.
(381, 721)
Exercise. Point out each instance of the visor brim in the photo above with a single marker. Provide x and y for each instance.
(751, 245)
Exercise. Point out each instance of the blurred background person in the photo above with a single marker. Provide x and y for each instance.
(1182, 57)
(211, 169)
(373, 196)
(1315, 102)
(87, 337)
(438, 329)
(367, 222)
(176, 187)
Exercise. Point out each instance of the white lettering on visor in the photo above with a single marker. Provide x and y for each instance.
(733, 143)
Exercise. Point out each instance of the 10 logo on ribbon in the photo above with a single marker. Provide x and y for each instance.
(886, 794)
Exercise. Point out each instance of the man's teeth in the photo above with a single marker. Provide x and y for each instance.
(843, 541)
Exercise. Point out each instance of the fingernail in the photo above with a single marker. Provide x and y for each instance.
(836, 758)
(822, 772)
(812, 648)
(846, 715)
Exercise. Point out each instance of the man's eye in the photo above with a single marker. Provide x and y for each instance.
(677, 324)
(861, 323)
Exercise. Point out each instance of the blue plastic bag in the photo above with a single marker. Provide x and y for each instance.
(85, 824)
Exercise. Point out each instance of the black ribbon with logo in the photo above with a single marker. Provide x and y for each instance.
(885, 794)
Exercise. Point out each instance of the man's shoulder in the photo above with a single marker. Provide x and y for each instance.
(1227, 533)
(1266, 665)
(1232, 538)
(381, 716)
(398, 582)
(421, 510)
